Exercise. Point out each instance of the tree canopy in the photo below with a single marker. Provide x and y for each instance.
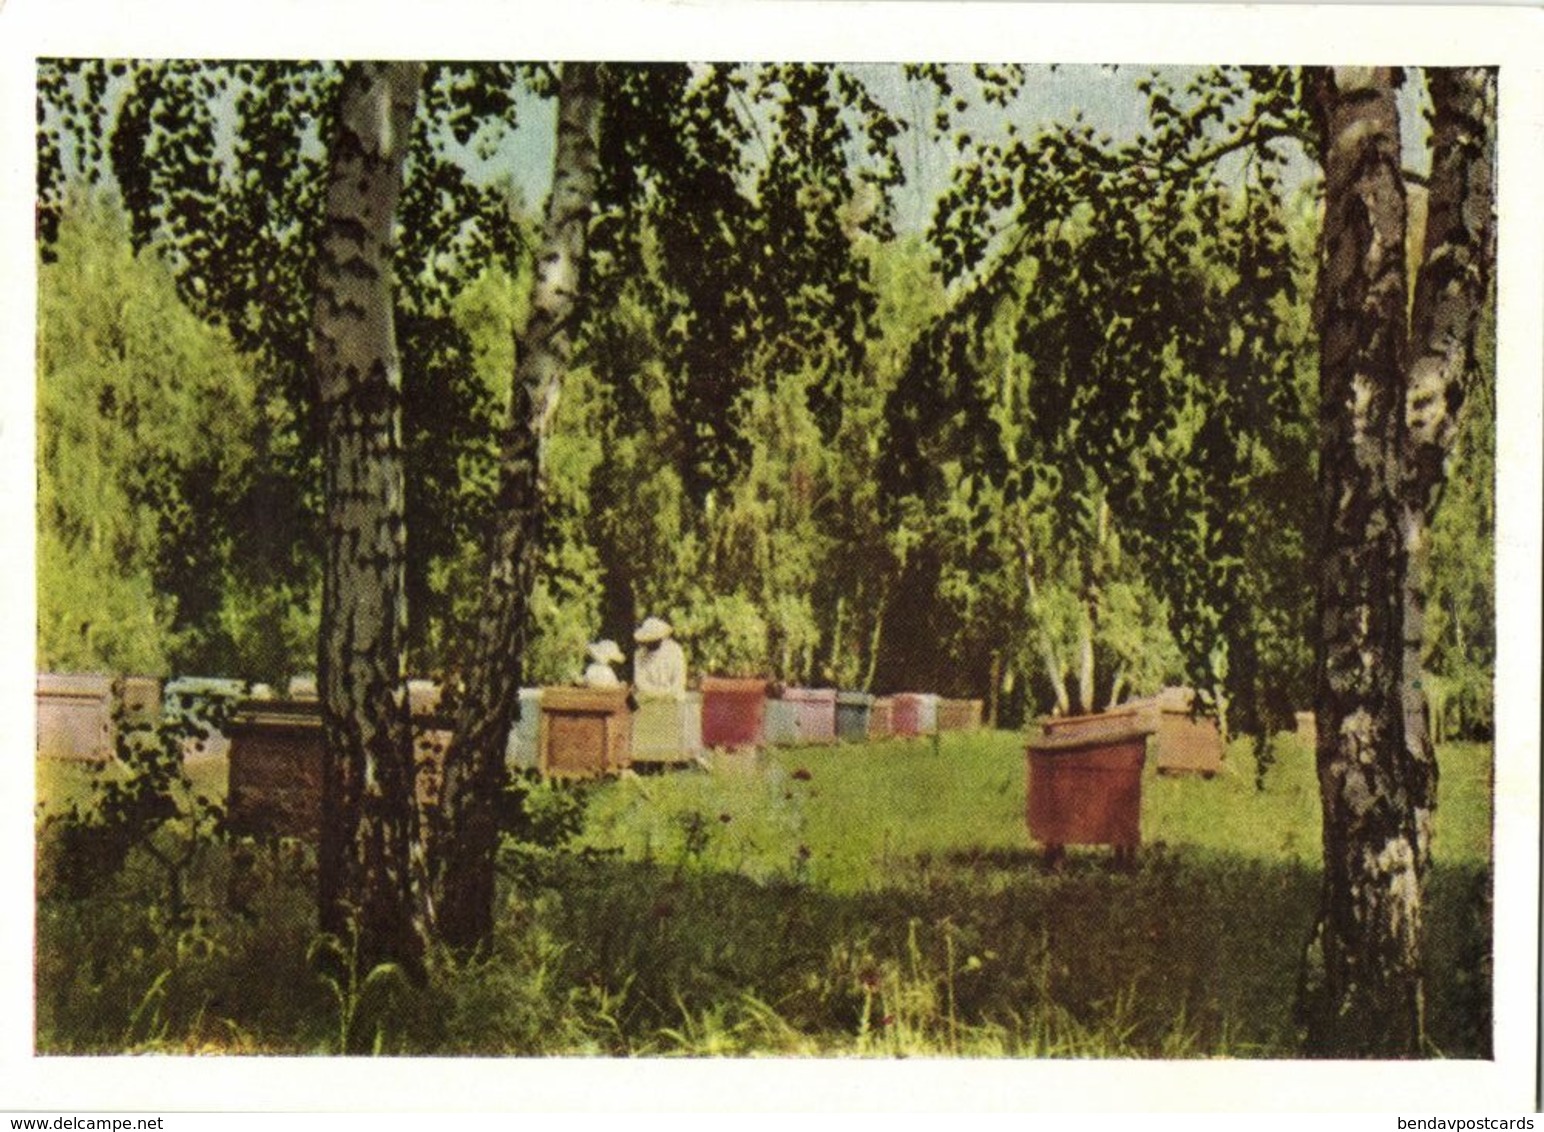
(1049, 450)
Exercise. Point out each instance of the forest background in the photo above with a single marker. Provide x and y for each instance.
(769, 448)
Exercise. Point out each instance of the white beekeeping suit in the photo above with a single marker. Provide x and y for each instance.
(659, 664)
(600, 674)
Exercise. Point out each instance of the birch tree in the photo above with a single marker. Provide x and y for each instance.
(366, 882)
(465, 845)
(1391, 393)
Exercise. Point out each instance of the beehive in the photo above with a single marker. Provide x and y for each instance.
(733, 712)
(915, 713)
(585, 732)
(75, 716)
(1184, 742)
(668, 731)
(853, 712)
(1085, 780)
(959, 715)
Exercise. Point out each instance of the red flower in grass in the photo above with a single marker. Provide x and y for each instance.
(802, 775)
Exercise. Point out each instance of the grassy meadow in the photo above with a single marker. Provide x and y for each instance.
(878, 899)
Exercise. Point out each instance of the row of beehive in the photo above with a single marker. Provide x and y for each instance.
(592, 730)
(76, 715)
(1084, 773)
(742, 713)
(276, 752)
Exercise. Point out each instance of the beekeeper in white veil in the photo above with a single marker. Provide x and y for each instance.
(600, 674)
(659, 664)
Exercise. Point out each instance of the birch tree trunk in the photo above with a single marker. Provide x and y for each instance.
(1050, 657)
(1086, 700)
(369, 828)
(464, 844)
(1386, 423)
(1451, 290)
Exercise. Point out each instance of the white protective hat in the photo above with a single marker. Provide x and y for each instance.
(653, 630)
(606, 652)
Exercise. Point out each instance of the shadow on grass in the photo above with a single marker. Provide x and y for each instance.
(978, 953)
(1188, 954)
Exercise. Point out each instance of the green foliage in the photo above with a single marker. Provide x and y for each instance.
(364, 999)
(728, 634)
(704, 296)
(145, 417)
(219, 166)
(731, 196)
(1127, 329)
(733, 306)
(538, 820)
(1127, 324)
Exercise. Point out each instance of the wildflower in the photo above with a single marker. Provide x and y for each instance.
(802, 775)
(724, 817)
(869, 978)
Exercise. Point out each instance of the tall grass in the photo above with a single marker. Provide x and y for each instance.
(874, 900)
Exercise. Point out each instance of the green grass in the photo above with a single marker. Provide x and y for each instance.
(857, 900)
(62, 783)
(868, 813)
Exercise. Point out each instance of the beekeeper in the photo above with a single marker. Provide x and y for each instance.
(600, 673)
(659, 664)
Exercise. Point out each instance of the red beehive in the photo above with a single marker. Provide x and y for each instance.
(916, 713)
(1085, 781)
(733, 712)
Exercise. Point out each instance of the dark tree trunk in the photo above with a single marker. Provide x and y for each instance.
(1388, 412)
(466, 838)
(369, 827)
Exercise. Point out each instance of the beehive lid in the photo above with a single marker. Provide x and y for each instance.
(584, 699)
(86, 684)
(736, 684)
(1111, 726)
(277, 713)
